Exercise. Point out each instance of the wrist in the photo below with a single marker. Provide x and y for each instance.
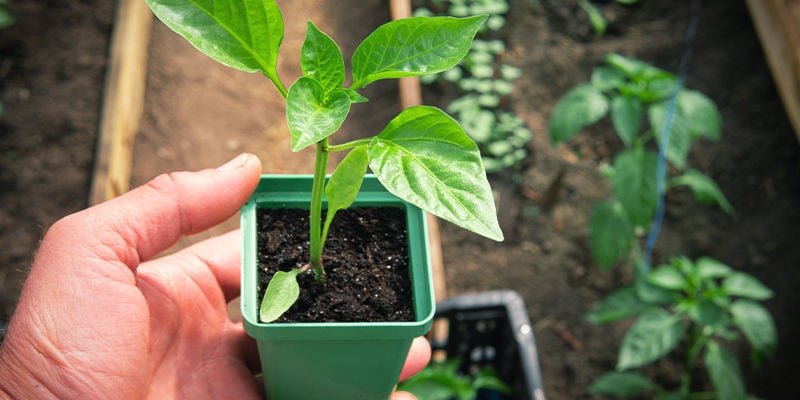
(17, 382)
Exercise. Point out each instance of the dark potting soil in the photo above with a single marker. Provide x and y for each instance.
(365, 259)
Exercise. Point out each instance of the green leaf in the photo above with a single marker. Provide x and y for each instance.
(620, 304)
(412, 47)
(634, 183)
(636, 69)
(704, 188)
(709, 268)
(707, 313)
(621, 384)
(757, 325)
(355, 97)
(321, 60)
(654, 334)
(611, 233)
(311, 115)
(580, 107)
(626, 116)
(245, 35)
(606, 78)
(723, 369)
(667, 277)
(680, 138)
(744, 285)
(343, 186)
(282, 292)
(424, 157)
(701, 114)
(652, 294)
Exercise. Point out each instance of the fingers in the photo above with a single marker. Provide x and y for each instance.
(151, 218)
(220, 255)
(402, 396)
(418, 357)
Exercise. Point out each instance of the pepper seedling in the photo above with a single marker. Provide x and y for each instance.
(422, 156)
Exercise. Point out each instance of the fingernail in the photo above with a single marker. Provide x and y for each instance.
(237, 162)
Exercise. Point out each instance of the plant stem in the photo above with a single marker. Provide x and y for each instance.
(315, 236)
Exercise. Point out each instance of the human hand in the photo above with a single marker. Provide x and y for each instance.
(100, 317)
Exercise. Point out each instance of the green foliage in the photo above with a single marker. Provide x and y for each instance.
(442, 381)
(483, 84)
(6, 15)
(635, 96)
(596, 18)
(710, 303)
(423, 156)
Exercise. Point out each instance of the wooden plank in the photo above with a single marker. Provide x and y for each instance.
(123, 101)
(778, 25)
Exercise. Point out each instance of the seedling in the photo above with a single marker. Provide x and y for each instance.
(704, 305)
(422, 156)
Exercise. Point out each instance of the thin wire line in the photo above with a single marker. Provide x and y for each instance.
(661, 167)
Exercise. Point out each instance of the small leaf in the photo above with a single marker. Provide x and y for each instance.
(311, 115)
(606, 78)
(745, 285)
(707, 313)
(667, 277)
(634, 183)
(355, 97)
(282, 292)
(626, 116)
(704, 188)
(343, 186)
(701, 114)
(580, 107)
(652, 294)
(620, 304)
(621, 384)
(654, 334)
(424, 157)
(611, 233)
(635, 69)
(723, 369)
(245, 35)
(757, 325)
(321, 60)
(412, 47)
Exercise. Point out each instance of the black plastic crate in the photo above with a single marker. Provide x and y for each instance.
(492, 329)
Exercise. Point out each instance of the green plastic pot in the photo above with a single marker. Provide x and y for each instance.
(333, 360)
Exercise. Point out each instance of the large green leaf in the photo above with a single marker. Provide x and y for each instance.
(321, 60)
(667, 277)
(723, 369)
(757, 325)
(621, 384)
(282, 292)
(620, 304)
(626, 116)
(709, 268)
(654, 334)
(704, 188)
(580, 107)
(245, 34)
(412, 47)
(424, 157)
(745, 285)
(634, 183)
(611, 233)
(311, 114)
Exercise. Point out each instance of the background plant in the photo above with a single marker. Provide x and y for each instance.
(484, 85)
(441, 380)
(596, 18)
(702, 304)
(422, 156)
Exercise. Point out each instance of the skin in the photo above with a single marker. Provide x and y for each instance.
(100, 316)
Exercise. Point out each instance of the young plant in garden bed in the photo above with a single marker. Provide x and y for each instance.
(704, 305)
(631, 91)
(422, 156)
(441, 380)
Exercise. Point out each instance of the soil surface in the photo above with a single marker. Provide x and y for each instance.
(367, 276)
(198, 115)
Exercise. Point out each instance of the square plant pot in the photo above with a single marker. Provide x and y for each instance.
(333, 360)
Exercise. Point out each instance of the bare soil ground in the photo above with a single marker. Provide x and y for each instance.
(199, 115)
